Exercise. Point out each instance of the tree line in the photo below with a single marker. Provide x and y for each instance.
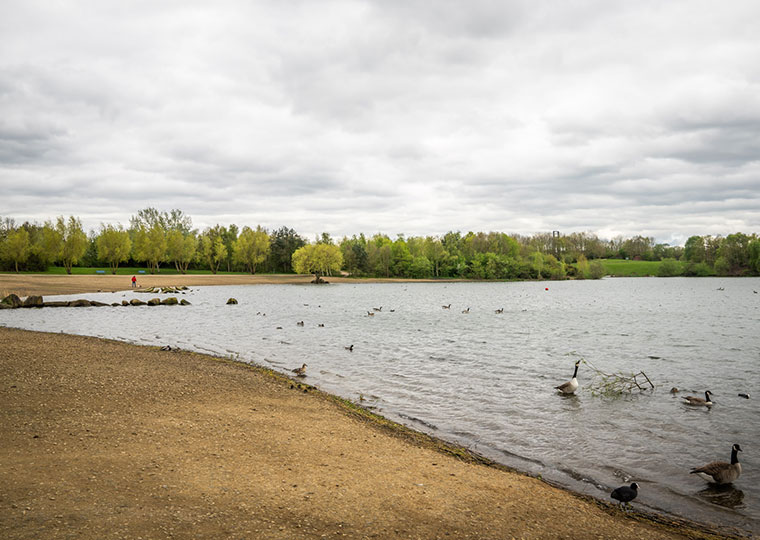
(154, 239)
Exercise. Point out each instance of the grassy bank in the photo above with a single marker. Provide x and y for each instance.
(624, 268)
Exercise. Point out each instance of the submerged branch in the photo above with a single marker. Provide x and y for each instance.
(617, 384)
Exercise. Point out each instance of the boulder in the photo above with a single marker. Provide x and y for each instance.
(32, 301)
(154, 302)
(184, 302)
(136, 302)
(59, 303)
(80, 303)
(171, 301)
(12, 300)
(124, 303)
(232, 301)
(95, 303)
(115, 304)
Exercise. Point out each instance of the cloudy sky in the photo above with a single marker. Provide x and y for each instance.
(394, 116)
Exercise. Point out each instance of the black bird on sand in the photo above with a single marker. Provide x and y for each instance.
(625, 494)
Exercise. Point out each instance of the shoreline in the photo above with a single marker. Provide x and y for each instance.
(54, 284)
(98, 432)
(664, 525)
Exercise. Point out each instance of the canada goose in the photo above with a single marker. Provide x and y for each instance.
(370, 314)
(299, 323)
(300, 371)
(698, 401)
(447, 306)
(466, 310)
(745, 396)
(377, 308)
(350, 347)
(500, 310)
(572, 385)
(721, 472)
(625, 494)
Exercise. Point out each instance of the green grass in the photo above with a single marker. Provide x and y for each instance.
(623, 268)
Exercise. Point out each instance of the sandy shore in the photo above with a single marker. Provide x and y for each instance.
(101, 439)
(41, 284)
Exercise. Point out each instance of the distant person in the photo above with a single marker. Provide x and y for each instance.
(134, 281)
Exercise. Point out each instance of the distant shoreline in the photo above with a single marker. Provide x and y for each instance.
(53, 284)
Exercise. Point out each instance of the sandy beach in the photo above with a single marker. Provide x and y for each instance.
(102, 439)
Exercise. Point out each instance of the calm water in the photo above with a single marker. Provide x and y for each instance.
(486, 380)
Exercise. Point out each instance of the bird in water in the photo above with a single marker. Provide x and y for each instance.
(300, 371)
(350, 348)
(698, 401)
(446, 306)
(625, 494)
(466, 310)
(721, 472)
(499, 311)
(572, 385)
(299, 323)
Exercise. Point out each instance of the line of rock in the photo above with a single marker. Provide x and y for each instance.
(12, 301)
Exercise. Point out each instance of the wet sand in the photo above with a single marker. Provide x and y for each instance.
(102, 439)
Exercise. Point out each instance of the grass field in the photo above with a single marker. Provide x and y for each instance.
(623, 268)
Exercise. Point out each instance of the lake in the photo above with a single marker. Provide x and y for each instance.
(486, 380)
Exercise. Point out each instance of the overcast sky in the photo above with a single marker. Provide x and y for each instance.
(414, 117)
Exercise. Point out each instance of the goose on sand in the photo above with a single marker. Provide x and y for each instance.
(721, 472)
(572, 385)
(698, 401)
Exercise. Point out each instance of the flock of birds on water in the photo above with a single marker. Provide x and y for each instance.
(719, 472)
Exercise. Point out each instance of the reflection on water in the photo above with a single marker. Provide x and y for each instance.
(486, 380)
(723, 495)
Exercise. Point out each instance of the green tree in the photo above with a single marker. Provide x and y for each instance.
(421, 267)
(734, 250)
(114, 246)
(669, 268)
(16, 248)
(48, 244)
(213, 249)
(584, 268)
(596, 270)
(318, 259)
(230, 236)
(435, 253)
(283, 243)
(252, 247)
(150, 245)
(74, 241)
(181, 249)
(754, 255)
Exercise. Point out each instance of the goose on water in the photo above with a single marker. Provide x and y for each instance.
(301, 371)
(721, 472)
(698, 401)
(625, 494)
(447, 306)
(572, 385)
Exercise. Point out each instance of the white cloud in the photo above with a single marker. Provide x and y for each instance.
(413, 117)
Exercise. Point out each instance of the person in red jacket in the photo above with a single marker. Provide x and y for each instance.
(134, 281)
